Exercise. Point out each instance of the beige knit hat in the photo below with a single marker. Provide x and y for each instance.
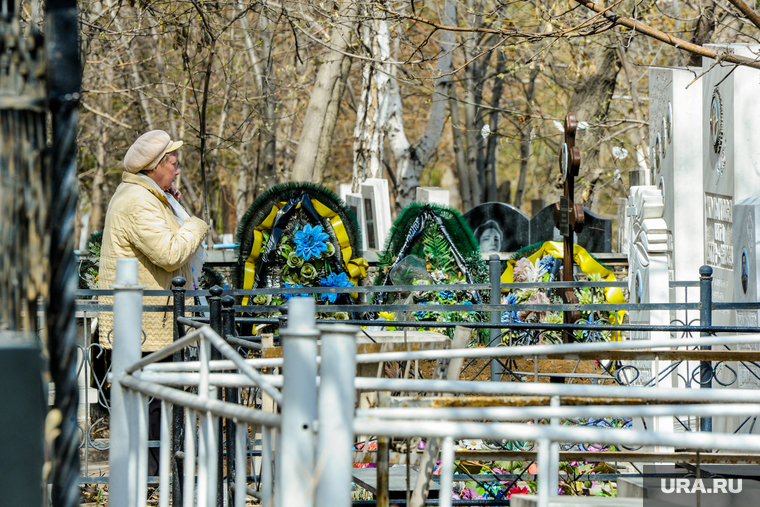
(148, 150)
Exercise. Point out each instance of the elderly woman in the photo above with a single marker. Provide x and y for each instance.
(141, 222)
(145, 221)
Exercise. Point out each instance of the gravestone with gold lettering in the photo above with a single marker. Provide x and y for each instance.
(731, 163)
(731, 174)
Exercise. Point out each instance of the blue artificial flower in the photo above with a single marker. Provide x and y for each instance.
(419, 315)
(446, 295)
(545, 264)
(310, 242)
(507, 317)
(333, 280)
(294, 286)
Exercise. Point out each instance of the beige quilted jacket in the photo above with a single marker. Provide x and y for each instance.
(140, 223)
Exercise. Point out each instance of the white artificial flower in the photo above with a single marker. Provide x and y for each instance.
(619, 152)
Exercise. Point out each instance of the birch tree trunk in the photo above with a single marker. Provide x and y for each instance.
(410, 160)
(319, 101)
(372, 114)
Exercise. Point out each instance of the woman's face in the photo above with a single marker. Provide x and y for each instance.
(165, 172)
(490, 241)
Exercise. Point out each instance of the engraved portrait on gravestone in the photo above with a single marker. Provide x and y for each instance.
(499, 227)
(489, 237)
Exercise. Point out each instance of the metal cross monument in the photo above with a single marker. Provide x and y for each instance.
(568, 217)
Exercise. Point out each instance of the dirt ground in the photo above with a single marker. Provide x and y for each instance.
(479, 369)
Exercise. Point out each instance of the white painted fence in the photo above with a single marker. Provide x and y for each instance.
(311, 441)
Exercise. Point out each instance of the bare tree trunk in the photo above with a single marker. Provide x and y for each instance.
(316, 112)
(374, 105)
(410, 160)
(525, 136)
(474, 153)
(330, 120)
(493, 124)
(456, 134)
(96, 210)
(473, 85)
(214, 153)
(266, 173)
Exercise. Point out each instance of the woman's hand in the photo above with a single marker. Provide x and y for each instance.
(174, 192)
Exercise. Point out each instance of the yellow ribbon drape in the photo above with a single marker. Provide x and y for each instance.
(588, 265)
(356, 268)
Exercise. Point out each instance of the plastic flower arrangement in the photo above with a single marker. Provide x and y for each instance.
(431, 245)
(306, 257)
(545, 269)
(527, 272)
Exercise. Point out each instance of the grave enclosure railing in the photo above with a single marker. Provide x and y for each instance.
(392, 420)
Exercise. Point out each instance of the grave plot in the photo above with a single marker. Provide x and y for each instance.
(432, 245)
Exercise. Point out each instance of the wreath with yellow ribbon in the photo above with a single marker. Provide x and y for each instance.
(263, 228)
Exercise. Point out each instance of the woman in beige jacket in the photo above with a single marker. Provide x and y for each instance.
(141, 222)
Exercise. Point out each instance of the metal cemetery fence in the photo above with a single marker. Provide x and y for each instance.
(310, 440)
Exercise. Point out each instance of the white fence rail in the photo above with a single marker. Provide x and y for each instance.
(310, 442)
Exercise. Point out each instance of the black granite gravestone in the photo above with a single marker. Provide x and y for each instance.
(499, 227)
(596, 235)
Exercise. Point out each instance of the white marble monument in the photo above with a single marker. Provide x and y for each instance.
(356, 204)
(433, 195)
(377, 212)
(648, 283)
(731, 161)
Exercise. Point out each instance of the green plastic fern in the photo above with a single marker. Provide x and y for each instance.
(437, 251)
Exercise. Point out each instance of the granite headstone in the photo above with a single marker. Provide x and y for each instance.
(596, 235)
(499, 227)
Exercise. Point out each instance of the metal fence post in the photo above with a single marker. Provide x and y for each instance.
(127, 335)
(215, 321)
(544, 470)
(299, 407)
(178, 422)
(553, 477)
(231, 396)
(494, 271)
(63, 79)
(336, 414)
(705, 319)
